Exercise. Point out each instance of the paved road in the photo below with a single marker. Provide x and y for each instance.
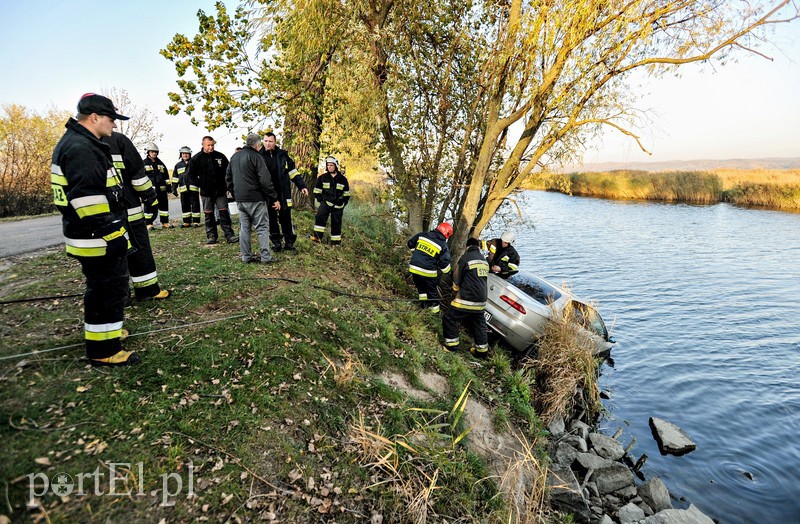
(32, 234)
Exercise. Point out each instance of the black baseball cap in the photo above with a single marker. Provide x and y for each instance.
(92, 103)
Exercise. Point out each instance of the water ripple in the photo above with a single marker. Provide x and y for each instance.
(704, 302)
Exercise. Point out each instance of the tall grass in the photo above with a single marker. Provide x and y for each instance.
(771, 188)
(566, 370)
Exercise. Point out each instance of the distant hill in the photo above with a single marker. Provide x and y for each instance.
(689, 165)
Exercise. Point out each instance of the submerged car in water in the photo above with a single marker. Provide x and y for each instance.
(519, 307)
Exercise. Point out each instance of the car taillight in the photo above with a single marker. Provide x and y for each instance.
(513, 303)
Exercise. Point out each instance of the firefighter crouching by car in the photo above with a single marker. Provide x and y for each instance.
(503, 258)
(185, 186)
(88, 192)
(467, 308)
(430, 255)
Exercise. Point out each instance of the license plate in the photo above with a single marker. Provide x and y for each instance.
(487, 316)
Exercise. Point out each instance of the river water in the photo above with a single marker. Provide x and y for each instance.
(705, 306)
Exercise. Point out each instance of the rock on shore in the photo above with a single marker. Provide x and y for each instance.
(671, 439)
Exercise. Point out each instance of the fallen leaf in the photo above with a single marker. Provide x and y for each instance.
(44, 461)
(81, 389)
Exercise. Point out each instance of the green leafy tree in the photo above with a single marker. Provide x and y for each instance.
(267, 63)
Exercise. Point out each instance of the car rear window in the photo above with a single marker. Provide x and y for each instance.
(536, 289)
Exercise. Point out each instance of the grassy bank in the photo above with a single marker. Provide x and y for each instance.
(775, 189)
(277, 407)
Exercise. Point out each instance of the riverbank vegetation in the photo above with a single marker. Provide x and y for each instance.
(769, 188)
(275, 387)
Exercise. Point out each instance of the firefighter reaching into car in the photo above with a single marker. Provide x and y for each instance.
(430, 256)
(503, 258)
(469, 303)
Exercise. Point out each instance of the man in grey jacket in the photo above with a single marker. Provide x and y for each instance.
(250, 183)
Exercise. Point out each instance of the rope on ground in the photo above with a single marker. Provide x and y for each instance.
(37, 299)
(173, 328)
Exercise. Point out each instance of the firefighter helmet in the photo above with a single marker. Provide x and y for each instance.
(152, 147)
(508, 237)
(185, 149)
(445, 229)
(332, 160)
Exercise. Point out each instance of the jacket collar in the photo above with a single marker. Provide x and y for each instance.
(75, 126)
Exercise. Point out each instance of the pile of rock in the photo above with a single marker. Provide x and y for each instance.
(589, 479)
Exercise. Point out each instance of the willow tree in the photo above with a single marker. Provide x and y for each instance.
(546, 74)
(266, 63)
(557, 70)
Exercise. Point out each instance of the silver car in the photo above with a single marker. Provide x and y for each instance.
(518, 309)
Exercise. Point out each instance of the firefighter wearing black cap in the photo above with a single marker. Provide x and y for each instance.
(332, 191)
(158, 174)
(138, 190)
(186, 186)
(283, 172)
(469, 303)
(430, 256)
(88, 192)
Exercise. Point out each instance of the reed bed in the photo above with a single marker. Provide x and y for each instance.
(769, 188)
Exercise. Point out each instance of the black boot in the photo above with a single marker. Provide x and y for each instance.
(227, 229)
(211, 228)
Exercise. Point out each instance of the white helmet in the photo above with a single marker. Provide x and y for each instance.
(332, 160)
(152, 147)
(184, 149)
(508, 237)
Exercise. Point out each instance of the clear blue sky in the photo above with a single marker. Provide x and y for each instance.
(53, 52)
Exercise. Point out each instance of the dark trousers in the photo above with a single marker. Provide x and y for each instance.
(280, 226)
(473, 320)
(428, 289)
(321, 221)
(162, 209)
(221, 204)
(104, 303)
(141, 265)
(190, 207)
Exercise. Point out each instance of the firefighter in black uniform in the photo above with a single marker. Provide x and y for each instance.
(332, 191)
(283, 171)
(430, 255)
(158, 174)
(186, 186)
(88, 192)
(469, 303)
(138, 190)
(503, 258)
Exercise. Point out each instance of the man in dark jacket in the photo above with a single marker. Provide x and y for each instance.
(467, 308)
(209, 167)
(158, 174)
(430, 256)
(249, 182)
(503, 258)
(88, 192)
(283, 171)
(138, 189)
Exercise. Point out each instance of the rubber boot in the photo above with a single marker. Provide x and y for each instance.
(227, 229)
(211, 228)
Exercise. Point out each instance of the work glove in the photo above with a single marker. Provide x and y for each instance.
(116, 238)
